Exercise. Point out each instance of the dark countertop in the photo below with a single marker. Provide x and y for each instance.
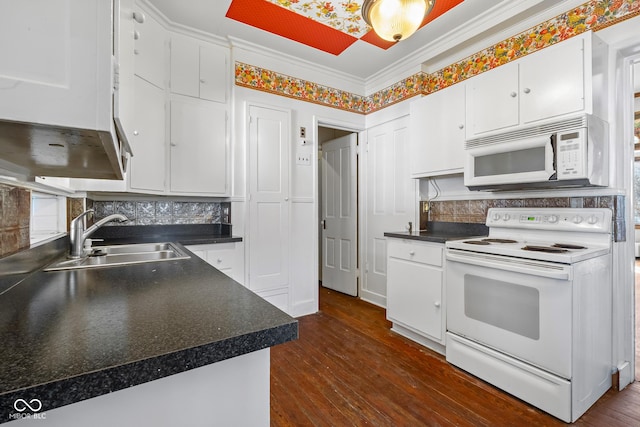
(72, 335)
(440, 232)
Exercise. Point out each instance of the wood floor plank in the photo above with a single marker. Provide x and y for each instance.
(347, 369)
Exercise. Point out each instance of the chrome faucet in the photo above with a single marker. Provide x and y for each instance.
(78, 234)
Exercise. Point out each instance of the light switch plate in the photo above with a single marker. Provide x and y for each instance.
(302, 159)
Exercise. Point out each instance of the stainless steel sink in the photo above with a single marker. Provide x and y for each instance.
(105, 256)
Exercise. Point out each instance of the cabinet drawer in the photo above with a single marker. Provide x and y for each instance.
(220, 259)
(422, 253)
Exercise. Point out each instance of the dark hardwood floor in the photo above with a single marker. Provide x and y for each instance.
(349, 369)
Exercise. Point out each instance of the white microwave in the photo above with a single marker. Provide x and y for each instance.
(568, 153)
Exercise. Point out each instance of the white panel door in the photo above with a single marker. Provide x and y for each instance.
(339, 213)
(390, 200)
(268, 198)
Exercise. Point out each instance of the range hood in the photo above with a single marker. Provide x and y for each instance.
(34, 149)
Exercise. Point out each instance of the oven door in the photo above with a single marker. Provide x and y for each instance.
(519, 307)
(512, 162)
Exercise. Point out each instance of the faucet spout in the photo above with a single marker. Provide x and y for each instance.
(78, 233)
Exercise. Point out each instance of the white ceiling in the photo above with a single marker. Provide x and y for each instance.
(469, 20)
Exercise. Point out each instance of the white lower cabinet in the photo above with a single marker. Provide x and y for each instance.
(415, 291)
(226, 257)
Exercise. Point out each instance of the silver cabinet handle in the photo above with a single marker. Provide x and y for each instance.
(412, 253)
(437, 304)
(139, 17)
(219, 259)
(136, 35)
(513, 94)
(460, 126)
(135, 132)
(526, 90)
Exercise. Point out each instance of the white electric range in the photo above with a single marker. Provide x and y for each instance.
(529, 306)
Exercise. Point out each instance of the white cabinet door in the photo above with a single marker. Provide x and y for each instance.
(56, 66)
(150, 49)
(185, 66)
(269, 144)
(198, 69)
(124, 97)
(437, 133)
(552, 81)
(414, 296)
(147, 168)
(213, 73)
(493, 100)
(198, 147)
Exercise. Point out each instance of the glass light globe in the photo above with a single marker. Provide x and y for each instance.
(394, 20)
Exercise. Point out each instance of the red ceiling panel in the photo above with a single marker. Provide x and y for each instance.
(286, 23)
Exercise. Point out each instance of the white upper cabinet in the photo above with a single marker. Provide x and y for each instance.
(563, 79)
(198, 147)
(437, 123)
(198, 69)
(57, 86)
(150, 42)
(56, 62)
(553, 82)
(147, 170)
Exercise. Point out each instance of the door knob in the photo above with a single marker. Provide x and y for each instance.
(139, 17)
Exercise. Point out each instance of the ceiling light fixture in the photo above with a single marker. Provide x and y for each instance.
(395, 20)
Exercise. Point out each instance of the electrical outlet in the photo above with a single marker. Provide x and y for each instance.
(304, 160)
(303, 132)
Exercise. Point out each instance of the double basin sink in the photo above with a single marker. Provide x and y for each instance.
(106, 256)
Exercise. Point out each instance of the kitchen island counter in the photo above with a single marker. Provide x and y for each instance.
(73, 335)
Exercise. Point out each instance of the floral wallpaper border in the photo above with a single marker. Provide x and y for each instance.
(592, 15)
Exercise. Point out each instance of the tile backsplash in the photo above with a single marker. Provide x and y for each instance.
(475, 211)
(142, 212)
(15, 215)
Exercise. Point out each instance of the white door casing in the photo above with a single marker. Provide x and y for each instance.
(390, 198)
(268, 178)
(339, 215)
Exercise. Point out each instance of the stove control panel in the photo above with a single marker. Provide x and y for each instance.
(596, 220)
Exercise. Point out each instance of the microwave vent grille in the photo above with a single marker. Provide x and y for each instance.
(528, 132)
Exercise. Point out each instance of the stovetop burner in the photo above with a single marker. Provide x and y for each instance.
(499, 240)
(549, 249)
(568, 246)
(477, 242)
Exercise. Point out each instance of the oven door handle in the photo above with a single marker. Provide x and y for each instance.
(518, 265)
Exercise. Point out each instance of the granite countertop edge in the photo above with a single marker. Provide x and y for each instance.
(441, 232)
(103, 381)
